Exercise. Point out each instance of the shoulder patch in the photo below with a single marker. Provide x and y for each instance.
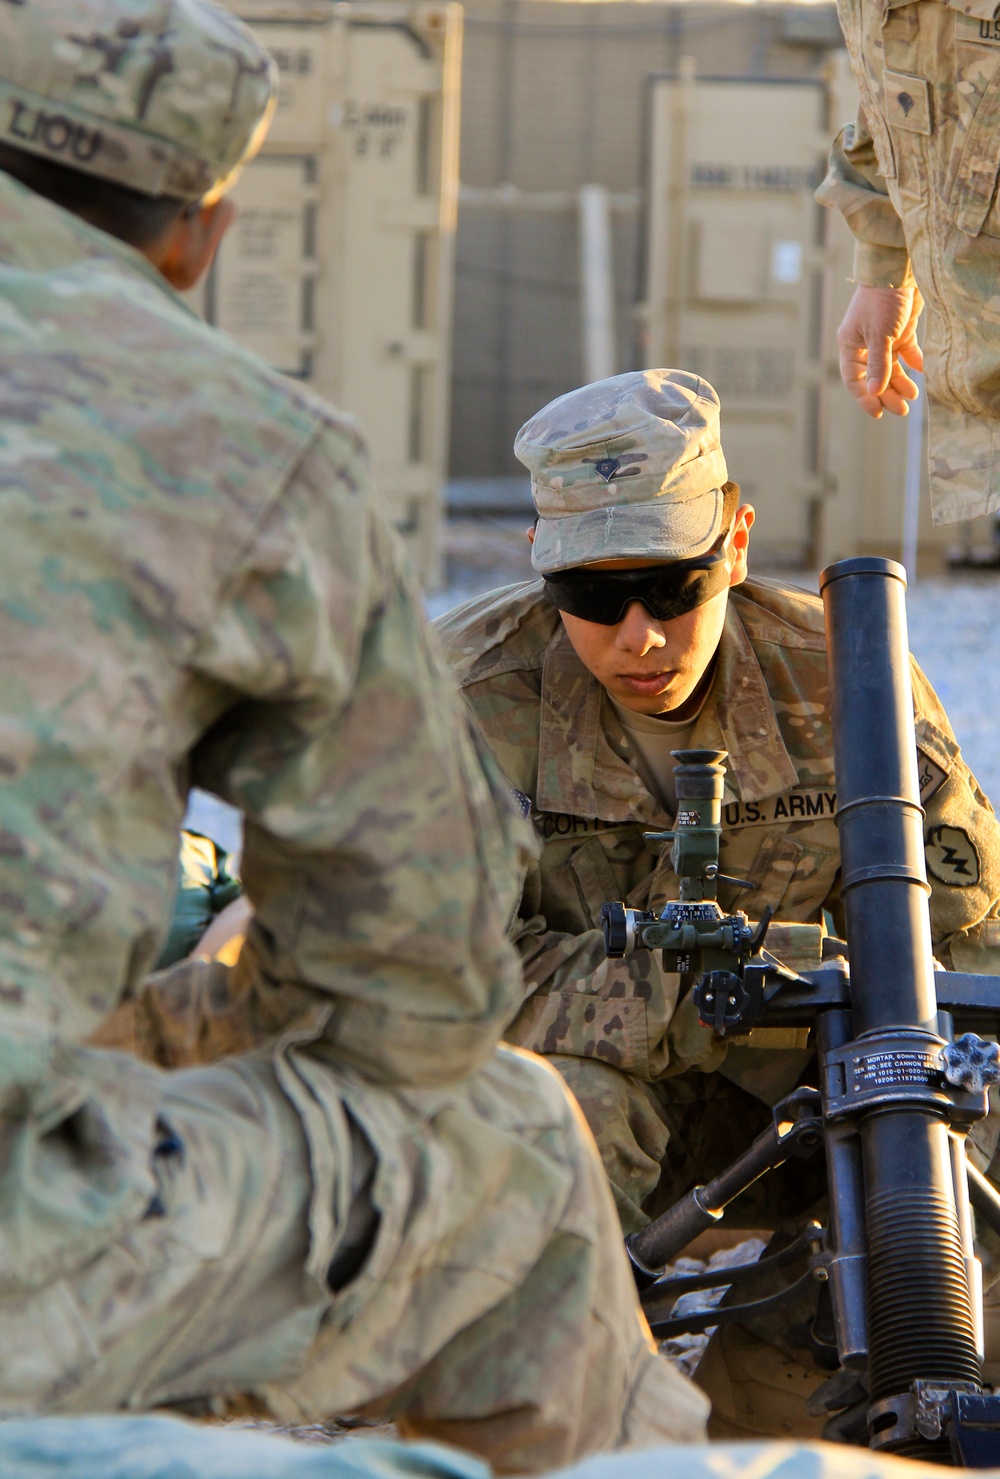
(952, 856)
(506, 630)
(931, 775)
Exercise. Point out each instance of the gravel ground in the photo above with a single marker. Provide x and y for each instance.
(334, 1431)
(686, 1350)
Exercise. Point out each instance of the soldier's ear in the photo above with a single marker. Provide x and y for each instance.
(187, 248)
(739, 542)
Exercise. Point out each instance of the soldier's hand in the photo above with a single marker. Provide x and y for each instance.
(877, 338)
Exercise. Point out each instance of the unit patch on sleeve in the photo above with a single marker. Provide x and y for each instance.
(952, 857)
(931, 776)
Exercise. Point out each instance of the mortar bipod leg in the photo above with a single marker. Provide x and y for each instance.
(963, 1168)
(796, 1128)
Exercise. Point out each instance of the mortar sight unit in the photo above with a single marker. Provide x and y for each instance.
(692, 931)
(901, 1073)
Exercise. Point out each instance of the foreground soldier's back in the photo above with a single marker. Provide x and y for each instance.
(196, 585)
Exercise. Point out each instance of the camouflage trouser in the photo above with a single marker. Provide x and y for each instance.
(659, 1139)
(495, 1308)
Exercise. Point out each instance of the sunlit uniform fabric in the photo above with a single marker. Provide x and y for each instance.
(915, 178)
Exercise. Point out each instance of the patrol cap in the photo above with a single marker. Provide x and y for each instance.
(626, 467)
(169, 97)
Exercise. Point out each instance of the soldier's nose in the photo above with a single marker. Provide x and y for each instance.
(638, 630)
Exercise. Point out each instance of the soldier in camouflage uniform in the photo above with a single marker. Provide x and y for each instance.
(367, 1203)
(915, 177)
(581, 715)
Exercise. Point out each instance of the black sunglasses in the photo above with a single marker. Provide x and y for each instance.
(666, 591)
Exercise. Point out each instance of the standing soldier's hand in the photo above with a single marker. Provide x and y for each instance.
(877, 337)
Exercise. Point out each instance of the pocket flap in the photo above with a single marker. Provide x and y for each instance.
(771, 873)
(585, 1026)
(595, 879)
(980, 10)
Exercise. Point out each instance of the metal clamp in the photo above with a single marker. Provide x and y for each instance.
(922, 1412)
(895, 1068)
(958, 1411)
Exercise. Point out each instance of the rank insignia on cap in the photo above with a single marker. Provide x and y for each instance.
(607, 467)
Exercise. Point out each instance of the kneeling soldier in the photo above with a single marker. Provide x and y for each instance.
(646, 634)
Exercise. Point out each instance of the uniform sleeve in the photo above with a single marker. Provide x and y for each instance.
(961, 844)
(855, 186)
(555, 960)
(381, 856)
(628, 1013)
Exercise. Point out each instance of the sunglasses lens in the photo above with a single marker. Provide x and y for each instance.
(604, 596)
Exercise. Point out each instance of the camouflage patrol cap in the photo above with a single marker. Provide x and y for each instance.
(626, 467)
(169, 97)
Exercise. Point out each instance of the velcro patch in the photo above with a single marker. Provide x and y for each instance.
(976, 28)
(952, 856)
(792, 806)
(908, 102)
(931, 776)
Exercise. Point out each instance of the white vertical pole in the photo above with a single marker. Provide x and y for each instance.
(914, 472)
(597, 300)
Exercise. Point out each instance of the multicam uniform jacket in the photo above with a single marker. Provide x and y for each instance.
(915, 177)
(207, 533)
(198, 585)
(558, 741)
